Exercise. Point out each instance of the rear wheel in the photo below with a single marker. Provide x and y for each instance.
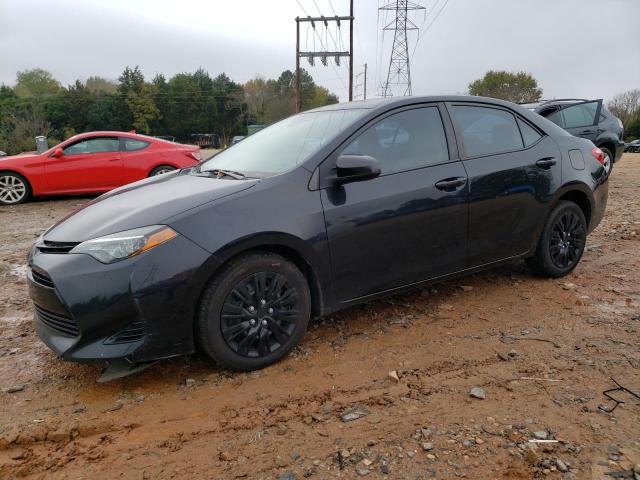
(161, 170)
(562, 243)
(14, 188)
(254, 311)
(608, 158)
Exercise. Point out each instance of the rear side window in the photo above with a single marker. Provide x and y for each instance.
(404, 141)
(486, 131)
(93, 145)
(131, 144)
(529, 134)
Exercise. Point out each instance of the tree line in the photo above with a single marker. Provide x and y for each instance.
(179, 106)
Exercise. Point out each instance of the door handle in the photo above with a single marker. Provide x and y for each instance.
(546, 162)
(586, 132)
(450, 184)
(114, 159)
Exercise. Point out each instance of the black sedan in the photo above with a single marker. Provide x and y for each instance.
(324, 210)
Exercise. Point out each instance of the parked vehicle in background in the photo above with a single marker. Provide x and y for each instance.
(324, 210)
(206, 140)
(254, 128)
(633, 146)
(92, 162)
(588, 119)
(237, 138)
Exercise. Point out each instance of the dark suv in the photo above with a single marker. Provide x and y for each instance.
(588, 119)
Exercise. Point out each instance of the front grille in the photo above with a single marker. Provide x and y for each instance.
(42, 279)
(62, 324)
(56, 247)
(132, 333)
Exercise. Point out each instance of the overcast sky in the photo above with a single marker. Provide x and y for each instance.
(575, 48)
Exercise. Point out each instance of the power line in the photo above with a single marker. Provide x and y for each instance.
(325, 52)
(321, 42)
(429, 26)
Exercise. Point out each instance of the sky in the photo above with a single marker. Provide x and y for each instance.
(574, 48)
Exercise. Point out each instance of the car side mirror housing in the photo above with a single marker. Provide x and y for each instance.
(57, 152)
(356, 168)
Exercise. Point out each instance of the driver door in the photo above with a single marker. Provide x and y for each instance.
(410, 223)
(90, 164)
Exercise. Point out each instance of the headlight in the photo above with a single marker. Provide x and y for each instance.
(118, 246)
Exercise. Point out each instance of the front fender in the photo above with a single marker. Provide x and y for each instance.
(287, 244)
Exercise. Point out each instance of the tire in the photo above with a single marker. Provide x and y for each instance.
(608, 158)
(225, 326)
(549, 261)
(162, 169)
(14, 188)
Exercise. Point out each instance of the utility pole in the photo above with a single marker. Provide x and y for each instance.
(298, 97)
(351, 51)
(358, 85)
(399, 74)
(365, 81)
(325, 54)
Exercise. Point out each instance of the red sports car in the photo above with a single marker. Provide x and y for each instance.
(92, 162)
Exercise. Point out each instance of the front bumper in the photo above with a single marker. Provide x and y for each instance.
(140, 309)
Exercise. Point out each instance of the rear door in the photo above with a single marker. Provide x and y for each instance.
(579, 119)
(89, 164)
(406, 225)
(513, 172)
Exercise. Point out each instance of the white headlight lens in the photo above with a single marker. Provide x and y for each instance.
(118, 246)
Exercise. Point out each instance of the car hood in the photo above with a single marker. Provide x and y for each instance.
(147, 202)
(20, 156)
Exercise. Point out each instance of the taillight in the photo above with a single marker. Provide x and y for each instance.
(193, 154)
(598, 154)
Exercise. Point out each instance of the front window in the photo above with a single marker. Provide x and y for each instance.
(284, 145)
(93, 145)
(404, 141)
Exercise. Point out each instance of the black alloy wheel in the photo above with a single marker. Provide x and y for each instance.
(254, 311)
(260, 314)
(567, 240)
(562, 242)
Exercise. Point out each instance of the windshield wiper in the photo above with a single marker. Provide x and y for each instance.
(218, 172)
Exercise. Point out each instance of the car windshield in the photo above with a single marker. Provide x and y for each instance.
(282, 146)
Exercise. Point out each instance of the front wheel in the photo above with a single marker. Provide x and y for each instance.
(562, 242)
(254, 311)
(14, 188)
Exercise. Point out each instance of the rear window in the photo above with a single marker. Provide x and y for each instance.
(581, 115)
(132, 144)
(529, 134)
(486, 131)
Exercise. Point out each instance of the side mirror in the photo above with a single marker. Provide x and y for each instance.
(356, 168)
(57, 152)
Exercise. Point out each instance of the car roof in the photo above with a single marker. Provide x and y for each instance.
(386, 103)
(111, 133)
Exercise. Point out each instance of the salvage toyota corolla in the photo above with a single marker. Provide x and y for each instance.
(321, 211)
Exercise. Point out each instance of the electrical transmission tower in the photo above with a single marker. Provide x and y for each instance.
(399, 74)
